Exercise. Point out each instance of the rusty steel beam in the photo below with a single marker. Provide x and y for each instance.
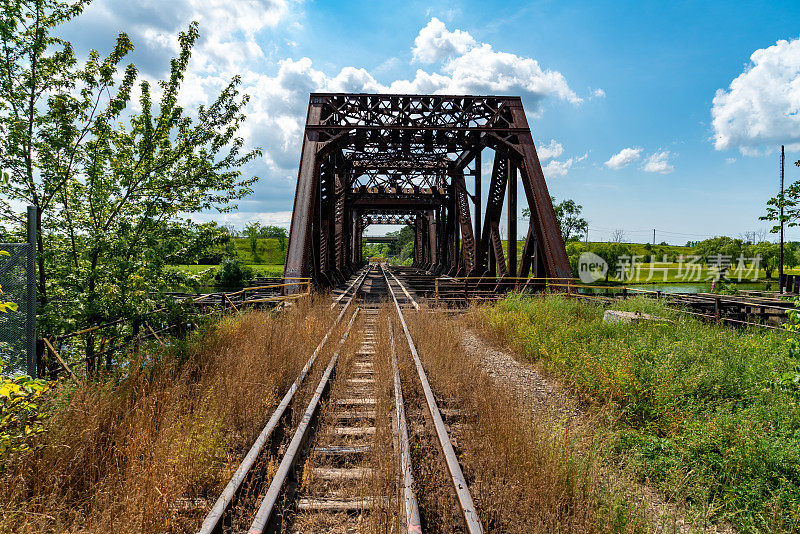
(464, 219)
(512, 220)
(401, 159)
(491, 223)
(297, 253)
(543, 217)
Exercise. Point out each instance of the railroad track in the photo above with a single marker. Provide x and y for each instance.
(328, 476)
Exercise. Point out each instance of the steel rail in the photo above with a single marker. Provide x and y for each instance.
(270, 502)
(408, 296)
(471, 518)
(346, 291)
(413, 522)
(214, 518)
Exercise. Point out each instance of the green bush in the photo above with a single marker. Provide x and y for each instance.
(22, 414)
(232, 273)
(697, 410)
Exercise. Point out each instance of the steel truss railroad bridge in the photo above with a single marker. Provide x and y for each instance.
(406, 159)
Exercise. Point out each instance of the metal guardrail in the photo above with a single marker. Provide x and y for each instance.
(474, 287)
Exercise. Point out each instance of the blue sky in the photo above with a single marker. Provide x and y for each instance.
(662, 115)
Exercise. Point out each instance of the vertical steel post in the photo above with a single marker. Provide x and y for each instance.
(780, 267)
(512, 219)
(433, 240)
(477, 200)
(300, 232)
(30, 322)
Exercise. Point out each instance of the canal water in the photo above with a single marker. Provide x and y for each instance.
(704, 287)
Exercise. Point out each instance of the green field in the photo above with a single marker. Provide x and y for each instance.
(259, 269)
(270, 257)
(664, 272)
(706, 413)
(268, 251)
(268, 260)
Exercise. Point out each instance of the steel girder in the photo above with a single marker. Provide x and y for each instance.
(405, 159)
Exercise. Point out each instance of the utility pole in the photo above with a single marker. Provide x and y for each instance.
(780, 266)
(654, 237)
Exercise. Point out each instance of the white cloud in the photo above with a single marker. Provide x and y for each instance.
(240, 218)
(658, 162)
(557, 169)
(276, 113)
(232, 36)
(730, 161)
(435, 42)
(277, 110)
(623, 158)
(228, 30)
(482, 70)
(598, 93)
(553, 150)
(761, 107)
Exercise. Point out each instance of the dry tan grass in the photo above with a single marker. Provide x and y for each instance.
(379, 487)
(526, 474)
(151, 453)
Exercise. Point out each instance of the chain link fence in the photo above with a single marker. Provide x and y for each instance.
(18, 283)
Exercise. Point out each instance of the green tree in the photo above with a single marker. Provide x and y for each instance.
(616, 255)
(6, 306)
(768, 252)
(109, 181)
(252, 230)
(376, 250)
(232, 273)
(720, 246)
(404, 237)
(568, 215)
(272, 232)
(204, 244)
(282, 242)
(792, 256)
(790, 199)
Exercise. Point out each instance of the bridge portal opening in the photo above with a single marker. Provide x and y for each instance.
(417, 161)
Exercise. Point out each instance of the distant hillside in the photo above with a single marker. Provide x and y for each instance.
(639, 249)
(268, 251)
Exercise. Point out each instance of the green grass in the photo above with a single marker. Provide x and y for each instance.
(636, 248)
(268, 251)
(674, 274)
(258, 269)
(694, 409)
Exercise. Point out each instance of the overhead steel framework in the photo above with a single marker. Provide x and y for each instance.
(405, 159)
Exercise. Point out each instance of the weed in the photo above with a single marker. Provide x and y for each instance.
(541, 474)
(128, 453)
(696, 411)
